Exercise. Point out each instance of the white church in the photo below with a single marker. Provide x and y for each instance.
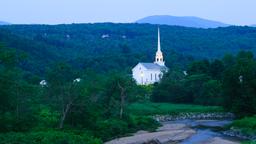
(149, 73)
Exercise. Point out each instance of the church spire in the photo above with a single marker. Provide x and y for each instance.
(159, 41)
(159, 59)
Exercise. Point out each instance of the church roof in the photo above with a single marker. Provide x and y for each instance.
(153, 66)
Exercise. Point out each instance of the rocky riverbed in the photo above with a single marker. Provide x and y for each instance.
(165, 134)
(195, 116)
(238, 133)
(182, 131)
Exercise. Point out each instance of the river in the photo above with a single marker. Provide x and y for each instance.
(207, 131)
(183, 132)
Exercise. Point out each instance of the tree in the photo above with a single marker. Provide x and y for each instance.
(216, 69)
(211, 93)
(16, 94)
(61, 87)
(240, 85)
(171, 89)
(117, 93)
(194, 86)
(199, 67)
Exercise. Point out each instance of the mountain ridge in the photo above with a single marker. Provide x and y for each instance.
(185, 21)
(4, 23)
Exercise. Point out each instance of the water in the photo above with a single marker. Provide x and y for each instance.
(201, 136)
(205, 130)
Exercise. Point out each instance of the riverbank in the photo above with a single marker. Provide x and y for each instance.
(164, 134)
(183, 132)
(195, 116)
(243, 128)
(149, 108)
(166, 112)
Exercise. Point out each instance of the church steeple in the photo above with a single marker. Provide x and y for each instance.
(159, 59)
(158, 41)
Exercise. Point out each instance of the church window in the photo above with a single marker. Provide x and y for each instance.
(151, 76)
(155, 76)
(141, 74)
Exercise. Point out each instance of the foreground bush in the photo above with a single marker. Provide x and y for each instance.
(246, 125)
(111, 128)
(47, 137)
(249, 142)
(143, 123)
(114, 128)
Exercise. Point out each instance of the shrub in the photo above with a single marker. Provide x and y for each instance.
(47, 137)
(111, 128)
(142, 123)
(247, 125)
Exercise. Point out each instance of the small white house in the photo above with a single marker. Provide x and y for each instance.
(43, 83)
(149, 73)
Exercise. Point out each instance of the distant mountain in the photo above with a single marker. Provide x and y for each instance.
(253, 25)
(4, 23)
(185, 21)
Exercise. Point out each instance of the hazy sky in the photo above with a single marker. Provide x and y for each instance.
(239, 12)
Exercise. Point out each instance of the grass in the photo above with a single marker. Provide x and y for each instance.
(249, 142)
(167, 108)
(247, 125)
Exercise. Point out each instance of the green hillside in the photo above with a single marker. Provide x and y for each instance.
(88, 97)
(84, 45)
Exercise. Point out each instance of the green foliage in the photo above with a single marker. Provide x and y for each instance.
(249, 142)
(216, 69)
(170, 89)
(47, 118)
(194, 84)
(142, 123)
(211, 93)
(29, 112)
(239, 85)
(141, 93)
(111, 128)
(229, 82)
(118, 93)
(199, 67)
(114, 128)
(106, 102)
(167, 108)
(247, 125)
(48, 137)
(82, 45)
(17, 96)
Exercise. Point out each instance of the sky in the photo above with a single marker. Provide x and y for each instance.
(236, 12)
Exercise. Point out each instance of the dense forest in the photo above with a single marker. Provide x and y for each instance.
(68, 109)
(89, 96)
(229, 82)
(110, 46)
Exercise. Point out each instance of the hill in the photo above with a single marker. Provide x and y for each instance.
(185, 21)
(108, 46)
(4, 23)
